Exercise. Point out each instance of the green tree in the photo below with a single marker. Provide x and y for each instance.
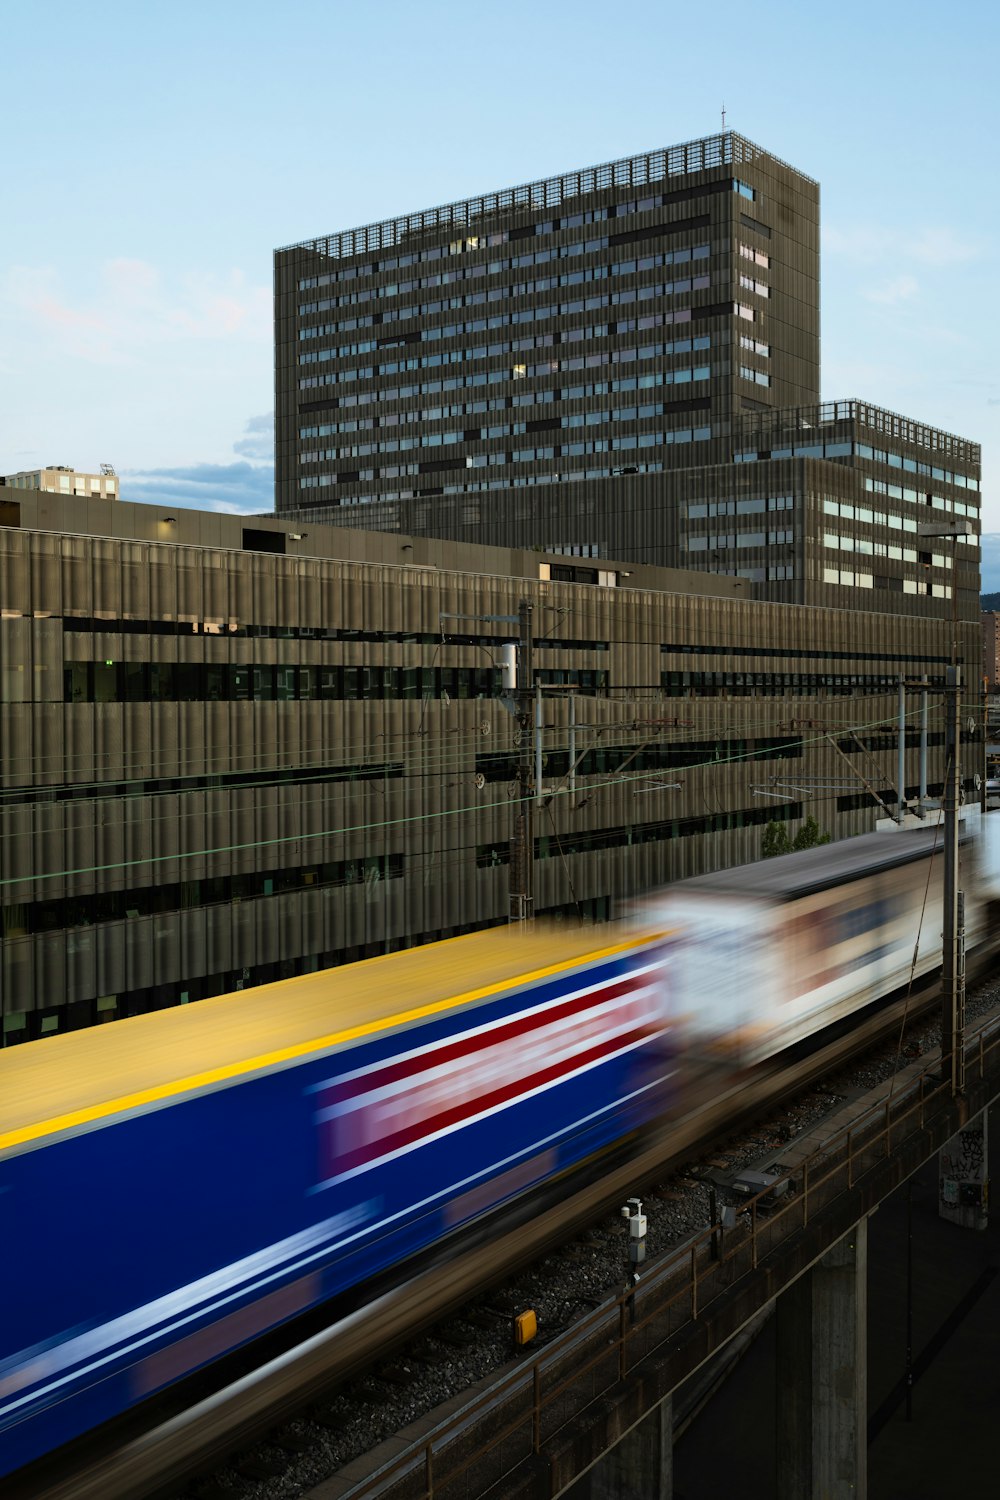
(809, 835)
(776, 841)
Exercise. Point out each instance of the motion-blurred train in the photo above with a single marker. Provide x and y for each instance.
(176, 1185)
(766, 955)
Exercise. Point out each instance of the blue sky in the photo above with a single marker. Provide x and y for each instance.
(155, 157)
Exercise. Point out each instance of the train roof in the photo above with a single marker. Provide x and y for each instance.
(64, 1082)
(811, 870)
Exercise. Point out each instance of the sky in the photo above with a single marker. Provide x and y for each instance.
(153, 158)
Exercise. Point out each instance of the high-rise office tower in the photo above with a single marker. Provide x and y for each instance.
(622, 361)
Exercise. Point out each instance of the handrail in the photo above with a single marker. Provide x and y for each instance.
(725, 149)
(618, 1331)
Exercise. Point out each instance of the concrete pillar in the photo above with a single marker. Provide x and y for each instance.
(963, 1175)
(822, 1377)
(641, 1464)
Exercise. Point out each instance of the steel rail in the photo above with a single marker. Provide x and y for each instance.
(620, 1339)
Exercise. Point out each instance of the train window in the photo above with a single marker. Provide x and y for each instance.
(15, 1029)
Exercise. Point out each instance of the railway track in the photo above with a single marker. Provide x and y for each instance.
(159, 1457)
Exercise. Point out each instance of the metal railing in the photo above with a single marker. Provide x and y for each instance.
(805, 424)
(726, 149)
(528, 1408)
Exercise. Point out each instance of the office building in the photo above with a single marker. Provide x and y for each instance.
(241, 749)
(619, 362)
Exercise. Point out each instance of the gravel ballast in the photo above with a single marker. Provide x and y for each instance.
(560, 1288)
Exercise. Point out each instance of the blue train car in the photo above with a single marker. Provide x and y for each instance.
(175, 1185)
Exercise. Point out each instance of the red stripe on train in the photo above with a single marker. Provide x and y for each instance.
(380, 1075)
(345, 1154)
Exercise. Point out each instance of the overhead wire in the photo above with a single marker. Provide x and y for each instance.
(306, 836)
(37, 763)
(444, 761)
(333, 789)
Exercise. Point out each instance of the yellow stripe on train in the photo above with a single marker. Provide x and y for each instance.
(143, 1098)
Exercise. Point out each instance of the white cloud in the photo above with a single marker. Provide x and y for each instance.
(935, 246)
(144, 365)
(942, 247)
(903, 257)
(131, 310)
(991, 562)
(897, 289)
(242, 488)
(259, 441)
(235, 489)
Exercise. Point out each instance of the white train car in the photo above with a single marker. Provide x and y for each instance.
(767, 954)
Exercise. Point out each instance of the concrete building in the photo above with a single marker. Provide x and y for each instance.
(619, 362)
(236, 750)
(991, 649)
(63, 479)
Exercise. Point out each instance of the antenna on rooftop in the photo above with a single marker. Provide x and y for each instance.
(723, 116)
(108, 469)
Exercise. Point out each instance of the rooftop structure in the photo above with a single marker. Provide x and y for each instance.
(726, 149)
(63, 479)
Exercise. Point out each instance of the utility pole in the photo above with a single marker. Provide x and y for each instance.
(953, 956)
(953, 964)
(522, 843)
(901, 756)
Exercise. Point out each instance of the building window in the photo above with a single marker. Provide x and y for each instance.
(756, 256)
